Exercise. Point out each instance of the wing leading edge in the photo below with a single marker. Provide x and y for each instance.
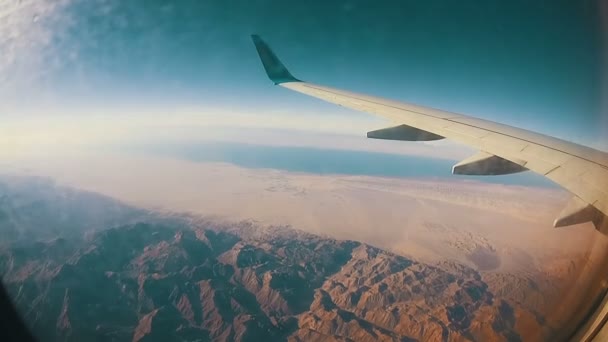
(502, 149)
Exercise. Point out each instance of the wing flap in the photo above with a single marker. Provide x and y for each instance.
(533, 151)
(539, 166)
(504, 143)
(466, 130)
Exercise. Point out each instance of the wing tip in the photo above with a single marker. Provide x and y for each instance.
(275, 70)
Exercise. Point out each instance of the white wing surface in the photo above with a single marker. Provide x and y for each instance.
(502, 149)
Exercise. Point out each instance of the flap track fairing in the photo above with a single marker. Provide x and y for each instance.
(403, 132)
(578, 211)
(485, 164)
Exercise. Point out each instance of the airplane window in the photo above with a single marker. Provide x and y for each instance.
(304, 170)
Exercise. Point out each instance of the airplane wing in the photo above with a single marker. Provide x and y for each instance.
(502, 149)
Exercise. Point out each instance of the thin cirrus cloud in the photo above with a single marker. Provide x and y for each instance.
(28, 29)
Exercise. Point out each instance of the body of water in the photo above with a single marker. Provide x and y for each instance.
(327, 161)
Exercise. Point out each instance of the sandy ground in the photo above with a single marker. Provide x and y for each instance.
(488, 226)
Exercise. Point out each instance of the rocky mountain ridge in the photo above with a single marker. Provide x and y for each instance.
(156, 282)
(186, 278)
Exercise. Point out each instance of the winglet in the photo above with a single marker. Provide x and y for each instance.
(275, 70)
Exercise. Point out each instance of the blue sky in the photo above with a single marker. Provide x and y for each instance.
(534, 64)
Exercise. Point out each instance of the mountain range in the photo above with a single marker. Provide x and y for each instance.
(118, 273)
